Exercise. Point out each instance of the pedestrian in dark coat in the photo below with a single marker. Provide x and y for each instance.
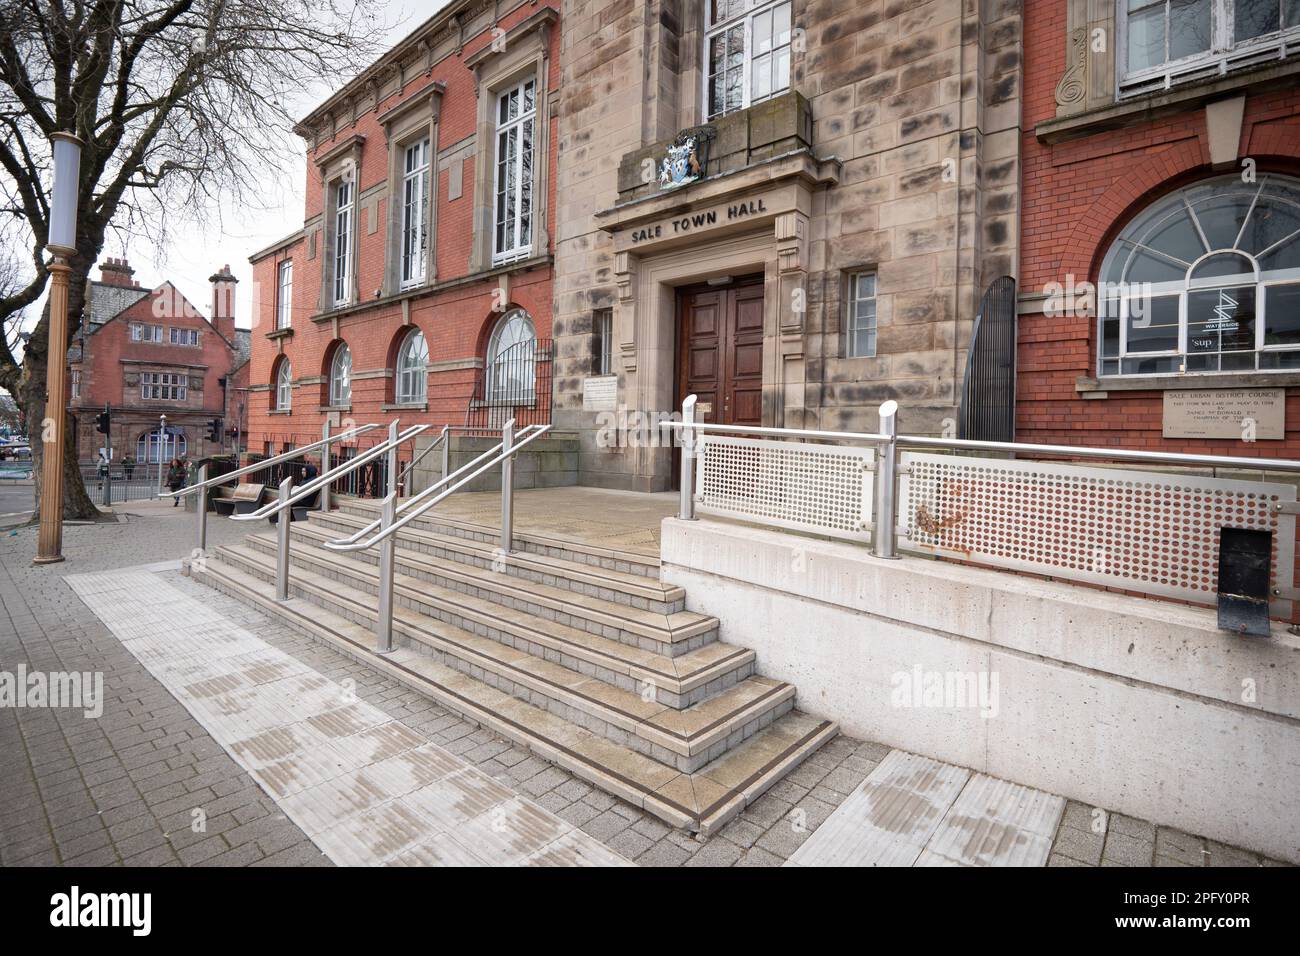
(175, 478)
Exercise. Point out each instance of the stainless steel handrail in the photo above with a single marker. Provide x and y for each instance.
(414, 500)
(302, 491)
(499, 455)
(443, 439)
(266, 463)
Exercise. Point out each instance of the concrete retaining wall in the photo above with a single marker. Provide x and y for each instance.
(549, 462)
(1137, 706)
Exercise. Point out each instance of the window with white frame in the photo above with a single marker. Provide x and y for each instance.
(516, 117)
(284, 387)
(341, 377)
(1206, 279)
(284, 295)
(154, 446)
(511, 360)
(602, 342)
(140, 332)
(412, 369)
(184, 336)
(1165, 41)
(163, 386)
(76, 382)
(860, 321)
(415, 212)
(343, 225)
(746, 54)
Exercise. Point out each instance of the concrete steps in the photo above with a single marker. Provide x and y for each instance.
(575, 552)
(685, 738)
(705, 763)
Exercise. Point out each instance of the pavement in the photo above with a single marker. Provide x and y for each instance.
(162, 778)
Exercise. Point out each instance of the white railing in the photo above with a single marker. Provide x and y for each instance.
(1139, 530)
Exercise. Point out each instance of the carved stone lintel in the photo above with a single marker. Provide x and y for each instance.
(792, 242)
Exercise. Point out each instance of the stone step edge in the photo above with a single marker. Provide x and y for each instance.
(682, 744)
(620, 663)
(436, 519)
(706, 822)
(595, 575)
(571, 603)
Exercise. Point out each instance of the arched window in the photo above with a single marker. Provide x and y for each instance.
(1206, 279)
(341, 376)
(284, 386)
(511, 356)
(172, 444)
(412, 359)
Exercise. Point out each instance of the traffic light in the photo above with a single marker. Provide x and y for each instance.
(214, 430)
(103, 420)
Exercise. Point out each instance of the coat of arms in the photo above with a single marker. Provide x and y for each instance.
(686, 159)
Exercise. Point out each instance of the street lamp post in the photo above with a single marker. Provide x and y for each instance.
(62, 245)
(162, 447)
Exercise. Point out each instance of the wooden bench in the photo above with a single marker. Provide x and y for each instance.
(244, 498)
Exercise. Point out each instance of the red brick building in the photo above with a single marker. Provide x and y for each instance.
(1161, 164)
(420, 284)
(148, 352)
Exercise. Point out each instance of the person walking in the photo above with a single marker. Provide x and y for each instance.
(175, 478)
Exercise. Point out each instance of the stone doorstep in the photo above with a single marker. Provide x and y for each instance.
(689, 736)
(579, 552)
(621, 586)
(543, 600)
(493, 600)
(683, 679)
(703, 801)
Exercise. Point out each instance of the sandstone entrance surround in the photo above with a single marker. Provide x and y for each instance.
(757, 219)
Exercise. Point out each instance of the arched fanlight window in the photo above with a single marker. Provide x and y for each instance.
(1206, 279)
(412, 375)
(284, 386)
(341, 377)
(511, 360)
(154, 447)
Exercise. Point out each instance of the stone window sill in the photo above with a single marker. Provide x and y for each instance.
(280, 411)
(405, 407)
(1181, 97)
(1099, 387)
(284, 333)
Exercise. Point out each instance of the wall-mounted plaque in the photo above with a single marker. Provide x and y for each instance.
(1232, 413)
(600, 394)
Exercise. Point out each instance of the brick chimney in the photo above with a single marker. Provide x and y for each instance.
(116, 272)
(223, 301)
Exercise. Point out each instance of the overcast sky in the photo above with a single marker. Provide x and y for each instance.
(193, 252)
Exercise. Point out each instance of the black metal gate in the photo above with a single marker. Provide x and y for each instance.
(516, 384)
(988, 397)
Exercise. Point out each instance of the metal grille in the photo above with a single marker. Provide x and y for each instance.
(1141, 531)
(988, 397)
(807, 487)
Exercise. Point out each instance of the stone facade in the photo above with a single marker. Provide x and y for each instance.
(893, 151)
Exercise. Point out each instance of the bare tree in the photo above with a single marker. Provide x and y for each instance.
(179, 103)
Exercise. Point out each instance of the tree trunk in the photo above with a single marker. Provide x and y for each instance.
(76, 502)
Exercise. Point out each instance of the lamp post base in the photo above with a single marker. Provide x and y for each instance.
(51, 560)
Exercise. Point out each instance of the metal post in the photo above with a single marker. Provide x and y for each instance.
(446, 451)
(887, 483)
(324, 498)
(162, 447)
(203, 507)
(282, 523)
(108, 470)
(392, 456)
(507, 487)
(387, 557)
(686, 509)
(49, 544)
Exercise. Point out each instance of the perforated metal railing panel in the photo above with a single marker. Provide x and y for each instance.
(1141, 531)
(824, 489)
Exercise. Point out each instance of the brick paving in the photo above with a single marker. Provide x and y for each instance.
(123, 788)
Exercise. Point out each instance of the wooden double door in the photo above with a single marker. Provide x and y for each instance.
(720, 350)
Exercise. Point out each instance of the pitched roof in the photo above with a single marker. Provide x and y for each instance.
(107, 300)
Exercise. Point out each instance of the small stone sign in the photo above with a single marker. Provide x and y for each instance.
(1225, 413)
(600, 394)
